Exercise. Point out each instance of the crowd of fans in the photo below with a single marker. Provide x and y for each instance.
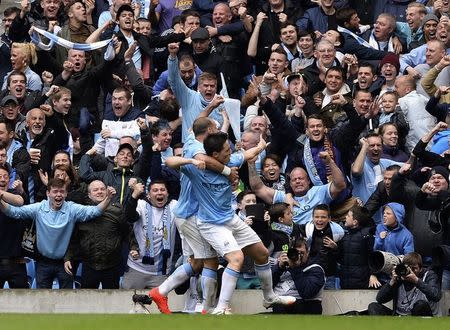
(341, 132)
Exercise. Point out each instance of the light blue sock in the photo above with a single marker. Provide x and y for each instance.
(209, 287)
(265, 276)
(229, 279)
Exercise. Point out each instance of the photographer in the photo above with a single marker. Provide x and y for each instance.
(413, 291)
(295, 275)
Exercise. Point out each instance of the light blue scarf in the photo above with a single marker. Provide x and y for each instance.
(36, 39)
(310, 165)
(149, 245)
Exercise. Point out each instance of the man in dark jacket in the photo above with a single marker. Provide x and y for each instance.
(354, 251)
(236, 65)
(16, 155)
(381, 195)
(5, 42)
(125, 21)
(296, 275)
(348, 24)
(206, 59)
(30, 15)
(98, 243)
(12, 263)
(43, 137)
(415, 292)
(84, 84)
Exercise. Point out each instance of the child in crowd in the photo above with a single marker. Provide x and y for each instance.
(390, 113)
(355, 249)
(391, 235)
(284, 230)
(322, 236)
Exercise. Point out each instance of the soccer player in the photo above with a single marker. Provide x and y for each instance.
(219, 224)
(194, 245)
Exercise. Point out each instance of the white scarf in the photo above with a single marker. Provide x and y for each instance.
(374, 43)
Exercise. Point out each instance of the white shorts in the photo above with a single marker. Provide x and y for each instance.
(192, 241)
(230, 236)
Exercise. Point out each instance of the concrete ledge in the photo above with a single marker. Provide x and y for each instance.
(119, 301)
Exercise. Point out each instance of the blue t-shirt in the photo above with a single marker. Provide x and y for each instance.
(303, 211)
(187, 202)
(365, 185)
(213, 191)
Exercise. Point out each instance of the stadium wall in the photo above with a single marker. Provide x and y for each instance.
(119, 301)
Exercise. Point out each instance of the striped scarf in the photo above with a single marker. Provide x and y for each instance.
(54, 39)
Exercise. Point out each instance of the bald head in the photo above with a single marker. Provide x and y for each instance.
(249, 139)
(221, 14)
(203, 125)
(97, 191)
(404, 85)
(35, 122)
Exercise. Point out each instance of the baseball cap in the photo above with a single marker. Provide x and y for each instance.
(126, 146)
(9, 98)
(200, 34)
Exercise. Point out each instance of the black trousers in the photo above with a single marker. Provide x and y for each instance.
(300, 307)
(91, 278)
(15, 274)
(420, 308)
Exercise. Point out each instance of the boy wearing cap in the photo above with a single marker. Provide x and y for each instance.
(389, 69)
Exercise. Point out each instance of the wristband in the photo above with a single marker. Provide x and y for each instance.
(226, 171)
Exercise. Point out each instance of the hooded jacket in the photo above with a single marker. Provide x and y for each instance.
(397, 240)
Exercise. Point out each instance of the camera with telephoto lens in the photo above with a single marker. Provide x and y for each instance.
(293, 254)
(401, 270)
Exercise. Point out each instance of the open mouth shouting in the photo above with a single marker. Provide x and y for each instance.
(316, 135)
(160, 201)
(272, 174)
(18, 91)
(58, 201)
(37, 128)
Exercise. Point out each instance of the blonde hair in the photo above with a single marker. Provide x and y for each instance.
(28, 50)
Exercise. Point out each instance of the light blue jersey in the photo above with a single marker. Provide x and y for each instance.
(365, 184)
(191, 102)
(213, 191)
(187, 202)
(304, 210)
(53, 227)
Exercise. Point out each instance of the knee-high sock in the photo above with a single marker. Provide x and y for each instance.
(178, 277)
(265, 276)
(192, 295)
(209, 286)
(229, 279)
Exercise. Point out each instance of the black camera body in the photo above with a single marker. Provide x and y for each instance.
(293, 254)
(401, 270)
